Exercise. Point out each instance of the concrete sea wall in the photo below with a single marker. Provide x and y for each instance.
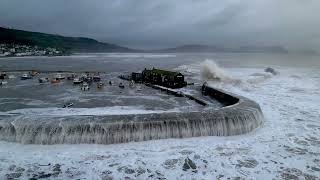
(239, 116)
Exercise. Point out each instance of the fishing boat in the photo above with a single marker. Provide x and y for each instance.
(67, 105)
(85, 86)
(139, 88)
(43, 80)
(96, 78)
(3, 75)
(77, 81)
(34, 73)
(121, 85)
(3, 83)
(11, 76)
(131, 85)
(25, 76)
(88, 79)
(59, 77)
(100, 85)
(55, 81)
(71, 77)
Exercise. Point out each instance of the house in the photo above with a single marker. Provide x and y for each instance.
(165, 78)
(136, 77)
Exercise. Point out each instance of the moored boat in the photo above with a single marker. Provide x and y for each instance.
(139, 88)
(3, 82)
(55, 81)
(85, 86)
(59, 77)
(121, 85)
(25, 76)
(3, 75)
(96, 78)
(100, 85)
(77, 81)
(43, 80)
(71, 77)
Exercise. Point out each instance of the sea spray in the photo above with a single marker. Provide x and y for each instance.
(210, 71)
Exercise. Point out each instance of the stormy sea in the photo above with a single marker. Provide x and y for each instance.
(286, 146)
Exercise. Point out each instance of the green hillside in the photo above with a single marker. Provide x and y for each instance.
(67, 44)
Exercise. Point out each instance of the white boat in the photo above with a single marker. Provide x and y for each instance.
(77, 81)
(43, 80)
(139, 88)
(11, 76)
(59, 77)
(3, 83)
(85, 87)
(25, 76)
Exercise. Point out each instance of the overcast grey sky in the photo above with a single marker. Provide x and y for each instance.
(165, 23)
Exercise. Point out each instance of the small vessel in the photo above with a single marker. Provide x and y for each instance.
(77, 81)
(3, 75)
(131, 85)
(85, 86)
(59, 77)
(3, 83)
(55, 81)
(67, 105)
(110, 83)
(88, 79)
(11, 76)
(25, 76)
(43, 80)
(71, 77)
(100, 85)
(139, 88)
(34, 73)
(121, 85)
(96, 78)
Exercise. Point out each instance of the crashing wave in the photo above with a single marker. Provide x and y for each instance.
(211, 71)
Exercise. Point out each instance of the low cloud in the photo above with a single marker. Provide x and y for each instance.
(165, 23)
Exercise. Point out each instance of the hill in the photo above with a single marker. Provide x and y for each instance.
(63, 43)
(242, 49)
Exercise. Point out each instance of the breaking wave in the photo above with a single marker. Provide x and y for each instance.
(209, 70)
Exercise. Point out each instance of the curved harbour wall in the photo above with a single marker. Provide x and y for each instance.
(239, 116)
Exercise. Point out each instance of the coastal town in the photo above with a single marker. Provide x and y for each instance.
(19, 50)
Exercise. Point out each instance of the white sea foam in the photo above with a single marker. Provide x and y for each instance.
(98, 111)
(287, 146)
(211, 71)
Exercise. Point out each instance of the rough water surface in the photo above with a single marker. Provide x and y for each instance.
(287, 146)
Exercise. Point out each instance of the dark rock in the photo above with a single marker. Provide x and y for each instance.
(271, 70)
(170, 163)
(13, 175)
(189, 164)
(44, 175)
(129, 171)
(315, 168)
(57, 168)
(140, 171)
(12, 167)
(20, 169)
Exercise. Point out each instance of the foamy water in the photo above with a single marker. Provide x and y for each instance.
(287, 146)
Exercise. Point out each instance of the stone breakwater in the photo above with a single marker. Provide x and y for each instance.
(239, 115)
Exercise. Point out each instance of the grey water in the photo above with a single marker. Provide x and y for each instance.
(28, 94)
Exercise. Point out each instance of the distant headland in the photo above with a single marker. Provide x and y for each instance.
(15, 42)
